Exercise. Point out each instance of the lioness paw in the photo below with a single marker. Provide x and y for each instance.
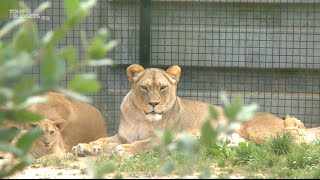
(82, 150)
(123, 150)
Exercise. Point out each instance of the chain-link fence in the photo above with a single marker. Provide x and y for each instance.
(267, 51)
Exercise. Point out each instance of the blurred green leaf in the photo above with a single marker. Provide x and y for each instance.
(215, 151)
(101, 62)
(5, 94)
(21, 115)
(8, 133)
(16, 67)
(111, 45)
(11, 148)
(187, 144)
(208, 134)
(97, 50)
(74, 95)
(32, 100)
(26, 38)
(233, 108)
(5, 171)
(166, 135)
(26, 140)
(247, 112)
(71, 6)
(88, 4)
(17, 57)
(52, 38)
(98, 170)
(77, 16)
(69, 53)
(6, 6)
(51, 69)
(42, 7)
(169, 167)
(9, 26)
(84, 83)
(213, 112)
(23, 88)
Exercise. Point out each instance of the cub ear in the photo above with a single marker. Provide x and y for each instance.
(60, 124)
(174, 72)
(133, 70)
(286, 116)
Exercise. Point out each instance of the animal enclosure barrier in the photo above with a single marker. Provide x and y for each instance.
(267, 51)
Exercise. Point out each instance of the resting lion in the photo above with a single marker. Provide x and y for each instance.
(83, 122)
(264, 126)
(150, 104)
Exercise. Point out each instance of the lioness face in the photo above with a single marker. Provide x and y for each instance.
(51, 132)
(154, 89)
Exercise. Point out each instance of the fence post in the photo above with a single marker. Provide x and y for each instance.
(145, 32)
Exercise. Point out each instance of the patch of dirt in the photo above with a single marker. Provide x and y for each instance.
(37, 171)
(49, 173)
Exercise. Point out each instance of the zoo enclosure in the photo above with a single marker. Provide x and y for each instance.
(267, 51)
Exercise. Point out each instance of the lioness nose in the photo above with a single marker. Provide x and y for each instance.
(153, 104)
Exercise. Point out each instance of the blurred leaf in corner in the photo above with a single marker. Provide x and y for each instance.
(71, 6)
(6, 6)
(84, 83)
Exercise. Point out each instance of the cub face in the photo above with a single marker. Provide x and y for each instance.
(51, 132)
(154, 90)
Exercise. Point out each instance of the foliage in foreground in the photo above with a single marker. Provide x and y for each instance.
(25, 49)
(244, 161)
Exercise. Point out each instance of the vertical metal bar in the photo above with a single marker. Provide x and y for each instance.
(145, 32)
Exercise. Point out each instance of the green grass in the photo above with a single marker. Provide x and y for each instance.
(276, 158)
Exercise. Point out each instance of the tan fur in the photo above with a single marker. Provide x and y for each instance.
(83, 122)
(50, 143)
(297, 130)
(265, 126)
(152, 103)
(262, 126)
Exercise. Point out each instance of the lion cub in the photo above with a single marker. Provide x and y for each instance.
(51, 140)
(296, 129)
(265, 125)
(83, 122)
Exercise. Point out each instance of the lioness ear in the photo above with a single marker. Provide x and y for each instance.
(133, 70)
(60, 124)
(174, 72)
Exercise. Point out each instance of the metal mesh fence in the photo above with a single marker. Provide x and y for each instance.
(267, 51)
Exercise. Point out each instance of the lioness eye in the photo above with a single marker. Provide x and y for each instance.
(163, 88)
(51, 132)
(144, 88)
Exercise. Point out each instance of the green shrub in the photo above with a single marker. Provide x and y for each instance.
(26, 49)
(281, 144)
(302, 157)
(244, 153)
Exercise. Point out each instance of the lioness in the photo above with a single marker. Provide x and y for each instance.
(83, 122)
(150, 104)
